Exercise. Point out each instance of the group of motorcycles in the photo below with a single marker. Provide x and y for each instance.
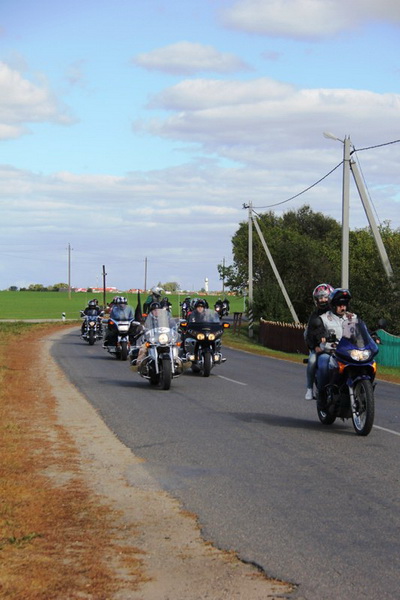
(169, 348)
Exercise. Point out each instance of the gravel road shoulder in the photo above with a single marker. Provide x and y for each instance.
(177, 563)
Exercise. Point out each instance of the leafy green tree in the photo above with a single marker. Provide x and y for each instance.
(58, 286)
(306, 248)
(170, 286)
(374, 296)
(37, 287)
(232, 278)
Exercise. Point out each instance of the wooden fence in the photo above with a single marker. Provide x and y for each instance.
(286, 337)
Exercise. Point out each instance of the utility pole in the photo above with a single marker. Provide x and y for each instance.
(69, 271)
(368, 211)
(104, 287)
(276, 272)
(250, 301)
(350, 165)
(145, 273)
(223, 276)
(345, 212)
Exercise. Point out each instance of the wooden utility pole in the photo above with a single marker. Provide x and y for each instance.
(104, 287)
(69, 271)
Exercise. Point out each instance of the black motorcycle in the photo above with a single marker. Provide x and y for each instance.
(351, 394)
(202, 342)
(185, 307)
(222, 308)
(92, 328)
(121, 336)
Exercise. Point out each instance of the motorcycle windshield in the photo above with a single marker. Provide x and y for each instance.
(356, 337)
(208, 319)
(160, 327)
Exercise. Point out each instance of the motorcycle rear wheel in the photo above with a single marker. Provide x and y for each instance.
(166, 375)
(365, 402)
(323, 415)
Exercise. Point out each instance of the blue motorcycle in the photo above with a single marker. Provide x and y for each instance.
(351, 393)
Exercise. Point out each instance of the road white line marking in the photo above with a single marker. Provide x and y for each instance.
(388, 430)
(233, 380)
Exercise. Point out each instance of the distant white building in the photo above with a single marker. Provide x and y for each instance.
(206, 285)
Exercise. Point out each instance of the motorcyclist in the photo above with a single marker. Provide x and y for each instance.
(312, 333)
(222, 307)
(165, 303)
(218, 305)
(154, 296)
(185, 307)
(152, 322)
(226, 306)
(92, 309)
(121, 311)
(332, 331)
(199, 314)
(199, 311)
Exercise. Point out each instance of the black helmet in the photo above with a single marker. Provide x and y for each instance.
(120, 300)
(339, 296)
(92, 303)
(200, 302)
(154, 305)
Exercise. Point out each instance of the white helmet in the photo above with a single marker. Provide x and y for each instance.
(156, 290)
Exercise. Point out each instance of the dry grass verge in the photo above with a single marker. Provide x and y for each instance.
(56, 539)
(72, 525)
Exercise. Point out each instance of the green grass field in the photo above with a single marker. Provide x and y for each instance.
(51, 305)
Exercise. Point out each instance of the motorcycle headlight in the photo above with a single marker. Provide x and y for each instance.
(211, 337)
(201, 336)
(360, 354)
(92, 323)
(163, 338)
(123, 328)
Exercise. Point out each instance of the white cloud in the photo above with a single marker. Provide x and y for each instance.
(307, 19)
(247, 121)
(185, 58)
(22, 102)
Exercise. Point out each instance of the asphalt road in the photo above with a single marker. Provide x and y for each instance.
(317, 506)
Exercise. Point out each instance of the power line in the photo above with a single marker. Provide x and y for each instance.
(304, 191)
(377, 146)
(325, 176)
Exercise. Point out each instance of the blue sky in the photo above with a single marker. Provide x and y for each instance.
(137, 129)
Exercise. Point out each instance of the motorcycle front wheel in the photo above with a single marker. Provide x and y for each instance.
(207, 364)
(166, 375)
(124, 351)
(363, 419)
(91, 339)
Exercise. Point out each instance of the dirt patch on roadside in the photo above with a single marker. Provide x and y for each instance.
(86, 532)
